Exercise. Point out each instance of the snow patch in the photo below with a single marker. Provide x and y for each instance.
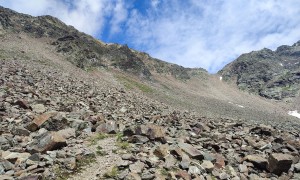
(221, 78)
(236, 104)
(294, 113)
(280, 64)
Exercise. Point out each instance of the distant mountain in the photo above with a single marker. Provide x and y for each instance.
(271, 74)
(84, 51)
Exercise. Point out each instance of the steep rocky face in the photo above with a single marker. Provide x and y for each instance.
(271, 74)
(83, 50)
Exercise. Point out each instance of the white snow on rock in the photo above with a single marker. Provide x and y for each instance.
(294, 113)
(280, 64)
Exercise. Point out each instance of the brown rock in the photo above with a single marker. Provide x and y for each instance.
(47, 142)
(22, 103)
(191, 151)
(152, 131)
(183, 174)
(257, 160)
(279, 163)
(161, 151)
(39, 120)
(220, 161)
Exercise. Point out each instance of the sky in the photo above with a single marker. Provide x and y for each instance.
(192, 33)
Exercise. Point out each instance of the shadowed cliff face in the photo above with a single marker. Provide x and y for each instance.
(271, 74)
(83, 50)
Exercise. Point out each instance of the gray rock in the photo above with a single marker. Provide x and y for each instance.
(137, 167)
(279, 163)
(138, 139)
(38, 108)
(194, 170)
(297, 167)
(47, 142)
(109, 127)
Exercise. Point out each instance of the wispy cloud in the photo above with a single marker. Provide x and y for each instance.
(192, 33)
(212, 33)
(88, 16)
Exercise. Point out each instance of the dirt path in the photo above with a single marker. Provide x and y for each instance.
(103, 163)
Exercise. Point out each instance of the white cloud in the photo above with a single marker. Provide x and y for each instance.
(88, 16)
(192, 33)
(210, 34)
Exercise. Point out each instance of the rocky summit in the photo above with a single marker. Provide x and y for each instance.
(75, 108)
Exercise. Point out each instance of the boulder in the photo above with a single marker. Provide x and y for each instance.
(279, 163)
(47, 142)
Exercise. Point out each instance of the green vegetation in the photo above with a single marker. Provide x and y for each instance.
(62, 173)
(100, 151)
(113, 173)
(132, 84)
(93, 140)
(123, 145)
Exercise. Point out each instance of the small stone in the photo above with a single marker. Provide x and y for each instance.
(279, 163)
(243, 168)
(224, 176)
(67, 133)
(22, 103)
(207, 165)
(170, 161)
(183, 174)
(20, 131)
(194, 170)
(161, 151)
(137, 167)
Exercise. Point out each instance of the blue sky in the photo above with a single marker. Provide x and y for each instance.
(191, 33)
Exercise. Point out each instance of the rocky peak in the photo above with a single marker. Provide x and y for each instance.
(271, 74)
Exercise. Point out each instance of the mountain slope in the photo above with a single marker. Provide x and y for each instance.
(72, 107)
(271, 74)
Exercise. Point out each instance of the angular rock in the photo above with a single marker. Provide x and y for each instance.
(297, 168)
(183, 174)
(22, 103)
(20, 131)
(194, 170)
(137, 167)
(191, 151)
(39, 120)
(15, 157)
(257, 160)
(161, 151)
(170, 161)
(208, 166)
(152, 131)
(47, 142)
(109, 127)
(279, 163)
(138, 139)
(243, 168)
(67, 133)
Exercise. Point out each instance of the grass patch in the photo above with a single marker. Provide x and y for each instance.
(124, 145)
(61, 173)
(100, 152)
(93, 140)
(113, 173)
(132, 84)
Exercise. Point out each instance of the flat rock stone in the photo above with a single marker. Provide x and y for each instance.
(279, 163)
(152, 131)
(257, 160)
(191, 151)
(47, 142)
(39, 120)
(137, 167)
(15, 157)
(138, 139)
